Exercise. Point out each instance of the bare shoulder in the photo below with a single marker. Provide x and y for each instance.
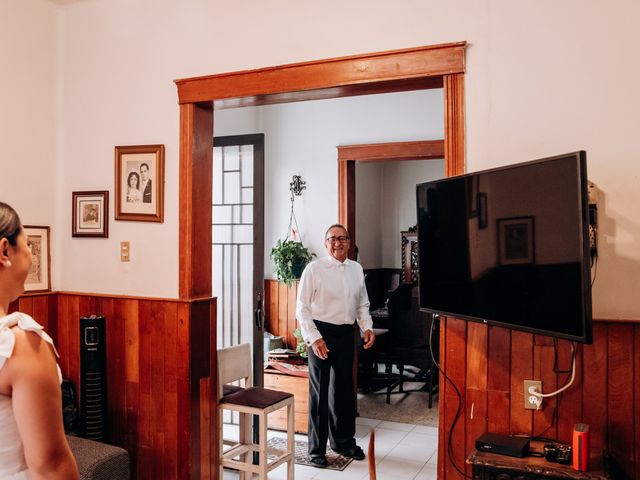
(32, 357)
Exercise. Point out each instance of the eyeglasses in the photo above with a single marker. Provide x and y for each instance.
(337, 239)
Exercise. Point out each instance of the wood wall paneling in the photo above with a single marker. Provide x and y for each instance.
(603, 394)
(159, 365)
(498, 380)
(476, 374)
(280, 310)
(456, 359)
(595, 402)
(620, 401)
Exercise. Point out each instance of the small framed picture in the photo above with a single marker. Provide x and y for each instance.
(516, 241)
(140, 183)
(90, 214)
(39, 277)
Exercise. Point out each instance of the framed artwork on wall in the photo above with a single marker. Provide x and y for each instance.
(39, 277)
(139, 183)
(90, 214)
(516, 241)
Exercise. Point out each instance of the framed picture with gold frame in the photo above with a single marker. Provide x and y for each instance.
(39, 277)
(139, 183)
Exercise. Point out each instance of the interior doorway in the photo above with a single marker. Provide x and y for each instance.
(381, 181)
(439, 66)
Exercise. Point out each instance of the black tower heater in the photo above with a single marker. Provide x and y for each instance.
(93, 378)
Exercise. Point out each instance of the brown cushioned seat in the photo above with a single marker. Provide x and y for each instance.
(230, 389)
(256, 397)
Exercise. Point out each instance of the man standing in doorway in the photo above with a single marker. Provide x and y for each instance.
(331, 297)
(145, 185)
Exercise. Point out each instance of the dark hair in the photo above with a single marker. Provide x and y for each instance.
(10, 225)
(135, 174)
(335, 225)
(145, 165)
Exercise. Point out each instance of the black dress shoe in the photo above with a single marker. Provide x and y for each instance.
(353, 452)
(318, 462)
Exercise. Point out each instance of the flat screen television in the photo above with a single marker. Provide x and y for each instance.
(509, 247)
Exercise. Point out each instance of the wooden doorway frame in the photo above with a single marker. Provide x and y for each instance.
(438, 66)
(348, 155)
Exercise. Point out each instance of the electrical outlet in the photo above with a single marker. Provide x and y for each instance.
(531, 401)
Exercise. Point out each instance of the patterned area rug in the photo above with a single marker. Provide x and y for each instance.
(335, 461)
(409, 407)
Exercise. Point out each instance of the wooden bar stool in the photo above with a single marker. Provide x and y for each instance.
(234, 363)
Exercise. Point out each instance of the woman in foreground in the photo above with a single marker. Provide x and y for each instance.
(32, 440)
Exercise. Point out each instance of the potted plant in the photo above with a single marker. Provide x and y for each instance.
(301, 345)
(290, 258)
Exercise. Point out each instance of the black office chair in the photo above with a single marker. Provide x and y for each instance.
(409, 342)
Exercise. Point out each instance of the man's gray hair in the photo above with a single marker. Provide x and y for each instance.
(336, 225)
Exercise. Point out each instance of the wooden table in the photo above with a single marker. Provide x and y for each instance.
(299, 386)
(492, 466)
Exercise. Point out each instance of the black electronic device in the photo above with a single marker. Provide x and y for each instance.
(509, 247)
(557, 452)
(93, 378)
(503, 445)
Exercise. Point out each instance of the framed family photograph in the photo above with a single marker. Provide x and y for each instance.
(140, 183)
(516, 241)
(90, 214)
(39, 277)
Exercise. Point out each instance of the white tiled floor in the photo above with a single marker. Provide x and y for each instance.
(403, 452)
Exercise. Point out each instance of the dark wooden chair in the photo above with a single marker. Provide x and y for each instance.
(409, 342)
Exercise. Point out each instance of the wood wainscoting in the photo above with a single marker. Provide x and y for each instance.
(489, 365)
(280, 310)
(159, 362)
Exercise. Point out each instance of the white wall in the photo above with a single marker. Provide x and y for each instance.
(369, 213)
(301, 139)
(28, 145)
(399, 203)
(386, 205)
(543, 77)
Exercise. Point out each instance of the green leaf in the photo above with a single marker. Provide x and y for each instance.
(290, 258)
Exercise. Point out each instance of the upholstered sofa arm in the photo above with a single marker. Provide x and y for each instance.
(99, 461)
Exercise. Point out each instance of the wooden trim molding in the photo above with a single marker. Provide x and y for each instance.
(380, 152)
(454, 124)
(196, 174)
(334, 73)
(348, 155)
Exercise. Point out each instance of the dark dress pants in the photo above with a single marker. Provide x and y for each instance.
(332, 406)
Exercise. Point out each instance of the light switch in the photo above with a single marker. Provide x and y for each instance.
(124, 252)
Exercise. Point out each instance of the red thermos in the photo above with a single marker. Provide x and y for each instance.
(581, 447)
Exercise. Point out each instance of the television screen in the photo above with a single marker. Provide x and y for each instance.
(509, 247)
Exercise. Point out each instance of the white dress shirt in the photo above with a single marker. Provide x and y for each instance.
(334, 292)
